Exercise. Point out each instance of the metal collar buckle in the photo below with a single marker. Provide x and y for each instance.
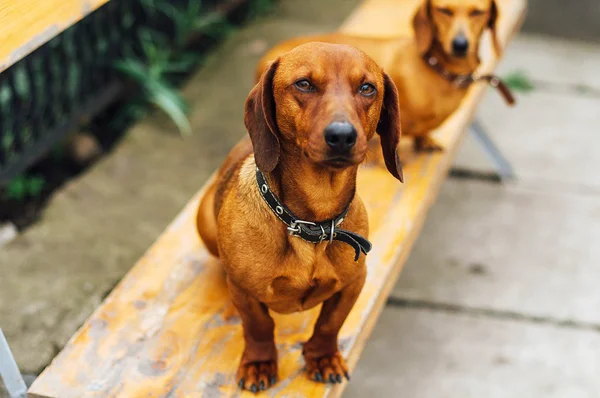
(294, 228)
(323, 234)
(332, 233)
(463, 80)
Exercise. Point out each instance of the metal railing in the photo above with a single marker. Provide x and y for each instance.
(46, 94)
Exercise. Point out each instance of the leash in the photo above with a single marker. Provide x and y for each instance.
(465, 81)
(309, 231)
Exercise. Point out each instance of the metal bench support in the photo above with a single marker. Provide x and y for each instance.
(9, 371)
(501, 164)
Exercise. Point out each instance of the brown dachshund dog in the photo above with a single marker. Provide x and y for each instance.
(275, 213)
(433, 70)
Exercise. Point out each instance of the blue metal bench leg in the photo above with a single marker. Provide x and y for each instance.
(13, 381)
(501, 164)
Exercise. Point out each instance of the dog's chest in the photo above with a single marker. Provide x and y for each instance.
(431, 107)
(308, 279)
(444, 99)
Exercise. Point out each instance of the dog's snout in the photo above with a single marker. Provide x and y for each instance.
(340, 136)
(460, 45)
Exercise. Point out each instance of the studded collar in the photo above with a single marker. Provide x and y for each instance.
(313, 232)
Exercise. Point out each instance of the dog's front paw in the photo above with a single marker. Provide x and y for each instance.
(427, 144)
(328, 368)
(257, 376)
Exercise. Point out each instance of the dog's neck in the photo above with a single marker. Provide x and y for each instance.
(312, 192)
(452, 64)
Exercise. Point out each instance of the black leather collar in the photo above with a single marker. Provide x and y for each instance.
(326, 231)
(465, 81)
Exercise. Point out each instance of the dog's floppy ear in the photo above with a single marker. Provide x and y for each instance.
(423, 27)
(259, 118)
(389, 128)
(492, 26)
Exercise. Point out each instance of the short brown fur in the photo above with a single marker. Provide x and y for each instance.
(426, 98)
(268, 270)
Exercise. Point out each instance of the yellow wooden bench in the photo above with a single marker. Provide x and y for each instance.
(162, 332)
(27, 24)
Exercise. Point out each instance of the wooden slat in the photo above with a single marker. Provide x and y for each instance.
(161, 332)
(27, 24)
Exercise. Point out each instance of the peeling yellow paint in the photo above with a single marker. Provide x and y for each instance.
(27, 24)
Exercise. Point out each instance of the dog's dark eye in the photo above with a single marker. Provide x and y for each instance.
(446, 11)
(367, 89)
(304, 85)
(476, 13)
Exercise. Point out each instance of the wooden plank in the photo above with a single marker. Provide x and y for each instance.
(27, 24)
(162, 331)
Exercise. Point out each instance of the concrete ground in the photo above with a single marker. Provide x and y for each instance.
(578, 21)
(498, 299)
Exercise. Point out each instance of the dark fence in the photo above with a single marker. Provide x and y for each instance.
(47, 93)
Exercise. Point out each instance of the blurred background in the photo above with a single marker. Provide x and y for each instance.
(576, 20)
(110, 124)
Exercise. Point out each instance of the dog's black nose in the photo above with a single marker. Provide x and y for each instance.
(460, 45)
(340, 136)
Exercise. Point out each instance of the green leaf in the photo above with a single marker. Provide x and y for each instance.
(132, 68)
(260, 7)
(23, 186)
(166, 8)
(148, 45)
(128, 20)
(22, 86)
(193, 10)
(207, 20)
(158, 92)
(26, 136)
(35, 186)
(73, 79)
(519, 81)
(102, 45)
(212, 24)
(183, 64)
(7, 140)
(170, 102)
(148, 4)
(16, 189)
(5, 94)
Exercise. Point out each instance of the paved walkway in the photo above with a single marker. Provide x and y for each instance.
(500, 295)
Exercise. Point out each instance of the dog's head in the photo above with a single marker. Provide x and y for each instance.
(323, 102)
(456, 25)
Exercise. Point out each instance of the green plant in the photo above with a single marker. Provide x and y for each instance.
(23, 187)
(191, 20)
(156, 90)
(519, 81)
(258, 7)
(162, 58)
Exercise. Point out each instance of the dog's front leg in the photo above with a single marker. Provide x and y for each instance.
(323, 359)
(258, 366)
